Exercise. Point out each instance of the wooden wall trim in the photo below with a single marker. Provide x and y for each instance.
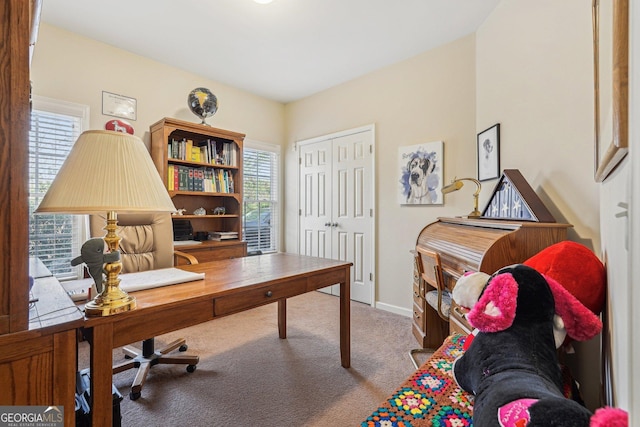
(14, 133)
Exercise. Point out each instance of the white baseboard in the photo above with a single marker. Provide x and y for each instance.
(394, 309)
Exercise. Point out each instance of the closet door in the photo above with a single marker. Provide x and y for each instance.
(336, 205)
(352, 210)
(315, 199)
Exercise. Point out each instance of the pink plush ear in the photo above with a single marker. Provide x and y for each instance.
(580, 322)
(496, 309)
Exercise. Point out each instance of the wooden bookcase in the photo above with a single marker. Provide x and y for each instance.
(190, 194)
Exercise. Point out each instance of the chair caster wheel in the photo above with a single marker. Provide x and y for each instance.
(191, 368)
(183, 347)
(134, 396)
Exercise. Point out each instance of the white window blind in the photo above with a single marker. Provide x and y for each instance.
(260, 187)
(55, 239)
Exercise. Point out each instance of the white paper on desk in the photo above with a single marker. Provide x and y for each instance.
(131, 282)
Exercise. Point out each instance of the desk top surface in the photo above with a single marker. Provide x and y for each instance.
(226, 277)
(233, 273)
(50, 307)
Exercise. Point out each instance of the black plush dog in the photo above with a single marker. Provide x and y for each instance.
(511, 365)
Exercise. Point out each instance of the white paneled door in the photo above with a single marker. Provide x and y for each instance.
(336, 204)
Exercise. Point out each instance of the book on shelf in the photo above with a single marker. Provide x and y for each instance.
(190, 179)
(195, 154)
(187, 150)
(170, 172)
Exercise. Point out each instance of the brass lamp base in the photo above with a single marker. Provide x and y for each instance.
(111, 301)
(475, 214)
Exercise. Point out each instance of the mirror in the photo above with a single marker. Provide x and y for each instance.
(611, 80)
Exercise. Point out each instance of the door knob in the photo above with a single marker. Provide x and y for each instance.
(327, 224)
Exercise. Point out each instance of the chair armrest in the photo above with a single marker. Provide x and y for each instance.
(190, 258)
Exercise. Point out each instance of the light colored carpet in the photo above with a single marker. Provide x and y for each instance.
(247, 376)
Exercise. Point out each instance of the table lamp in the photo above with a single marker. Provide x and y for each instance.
(457, 184)
(110, 172)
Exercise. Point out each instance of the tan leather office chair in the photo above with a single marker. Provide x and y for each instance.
(147, 244)
(436, 293)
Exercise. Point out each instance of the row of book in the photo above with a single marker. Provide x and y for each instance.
(210, 151)
(185, 178)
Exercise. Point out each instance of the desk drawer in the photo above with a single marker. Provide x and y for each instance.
(258, 296)
(417, 298)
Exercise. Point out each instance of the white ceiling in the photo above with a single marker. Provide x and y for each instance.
(285, 50)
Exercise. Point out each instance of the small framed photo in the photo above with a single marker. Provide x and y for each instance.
(488, 150)
(118, 105)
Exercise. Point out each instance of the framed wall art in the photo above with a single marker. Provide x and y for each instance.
(611, 84)
(421, 173)
(121, 106)
(488, 150)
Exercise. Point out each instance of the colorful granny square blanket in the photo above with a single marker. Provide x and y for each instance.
(430, 397)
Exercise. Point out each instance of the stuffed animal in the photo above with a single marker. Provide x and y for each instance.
(511, 365)
(576, 268)
(92, 253)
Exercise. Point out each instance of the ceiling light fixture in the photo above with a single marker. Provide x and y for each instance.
(263, 1)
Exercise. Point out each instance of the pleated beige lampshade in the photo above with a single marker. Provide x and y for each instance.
(107, 171)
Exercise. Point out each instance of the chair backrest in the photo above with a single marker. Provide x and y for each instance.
(147, 240)
(430, 268)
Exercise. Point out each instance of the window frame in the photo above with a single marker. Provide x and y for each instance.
(81, 113)
(276, 202)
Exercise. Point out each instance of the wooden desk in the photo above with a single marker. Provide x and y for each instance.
(38, 365)
(229, 286)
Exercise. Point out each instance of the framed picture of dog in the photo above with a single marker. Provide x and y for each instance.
(421, 172)
(488, 150)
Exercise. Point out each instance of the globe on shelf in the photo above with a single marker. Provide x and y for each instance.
(203, 103)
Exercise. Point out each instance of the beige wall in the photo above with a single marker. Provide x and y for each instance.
(73, 68)
(534, 75)
(427, 98)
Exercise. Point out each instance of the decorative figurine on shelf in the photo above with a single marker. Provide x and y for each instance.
(180, 212)
(93, 254)
(202, 103)
(220, 210)
(200, 211)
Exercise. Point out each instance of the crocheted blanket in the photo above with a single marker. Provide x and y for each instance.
(430, 397)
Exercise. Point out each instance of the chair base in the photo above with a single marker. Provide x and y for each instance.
(412, 354)
(149, 357)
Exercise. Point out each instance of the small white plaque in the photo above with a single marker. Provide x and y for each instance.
(118, 105)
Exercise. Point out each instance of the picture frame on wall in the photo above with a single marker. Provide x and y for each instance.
(121, 106)
(421, 174)
(488, 150)
(611, 84)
